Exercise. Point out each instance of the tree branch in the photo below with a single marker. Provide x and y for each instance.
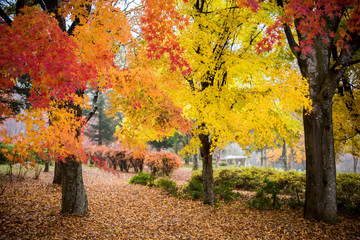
(289, 36)
(5, 17)
(348, 64)
(95, 107)
(71, 29)
(76, 22)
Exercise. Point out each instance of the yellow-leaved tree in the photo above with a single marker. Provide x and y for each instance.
(235, 93)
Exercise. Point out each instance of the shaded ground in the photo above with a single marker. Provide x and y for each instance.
(30, 209)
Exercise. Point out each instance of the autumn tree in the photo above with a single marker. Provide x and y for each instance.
(325, 42)
(228, 99)
(38, 42)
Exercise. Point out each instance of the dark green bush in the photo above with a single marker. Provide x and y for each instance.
(168, 186)
(225, 191)
(267, 196)
(194, 188)
(2, 157)
(348, 191)
(223, 164)
(291, 183)
(143, 179)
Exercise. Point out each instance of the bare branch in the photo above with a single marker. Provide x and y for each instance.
(5, 17)
(95, 107)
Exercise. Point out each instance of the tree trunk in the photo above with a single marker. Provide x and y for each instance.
(262, 157)
(100, 125)
(265, 157)
(74, 198)
(315, 66)
(207, 171)
(320, 195)
(218, 156)
(57, 173)
(195, 162)
(291, 162)
(355, 163)
(47, 166)
(284, 157)
(187, 159)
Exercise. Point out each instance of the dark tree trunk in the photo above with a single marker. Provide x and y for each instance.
(284, 157)
(187, 159)
(47, 167)
(207, 171)
(195, 162)
(291, 162)
(320, 196)
(57, 173)
(100, 125)
(263, 157)
(74, 198)
(355, 163)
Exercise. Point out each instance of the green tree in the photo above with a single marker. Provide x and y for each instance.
(102, 127)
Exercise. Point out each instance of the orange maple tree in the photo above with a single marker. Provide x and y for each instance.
(63, 62)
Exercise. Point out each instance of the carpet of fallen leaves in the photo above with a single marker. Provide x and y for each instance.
(29, 209)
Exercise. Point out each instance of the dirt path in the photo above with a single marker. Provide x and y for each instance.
(30, 210)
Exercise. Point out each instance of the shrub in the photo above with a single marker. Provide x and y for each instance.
(225, 191)
(223, 164)
(163, 161)
(167, 185)
(143, 179)
(266, 197)
(348, 191)
(3, 159)
(194, 188)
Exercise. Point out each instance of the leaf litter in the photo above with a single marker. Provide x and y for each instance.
(30, 209)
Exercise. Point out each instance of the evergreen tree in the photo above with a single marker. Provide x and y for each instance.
(102, 129)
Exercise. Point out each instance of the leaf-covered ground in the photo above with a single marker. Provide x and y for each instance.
(30, 209)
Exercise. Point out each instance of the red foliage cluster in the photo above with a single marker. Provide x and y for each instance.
(163, 161)
(158, 24)
(47, 54)
(311, 22)
(115, 157)
(125, 159)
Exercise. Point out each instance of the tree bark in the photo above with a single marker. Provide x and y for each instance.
(57, 173)
(355, 163)
(284, 157)
(74, 198)
(291, 162)
(218, 157)
(207, 171)
(195, 162)
(187, 159)
(320, 195)
(262, 157)
(47, 166)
